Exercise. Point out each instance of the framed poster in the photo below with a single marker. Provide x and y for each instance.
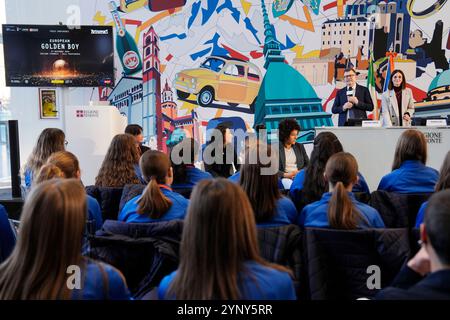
(48, 104)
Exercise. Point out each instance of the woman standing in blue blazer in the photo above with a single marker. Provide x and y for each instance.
(339, 209)
(409, 172)
(158, 202)
(219, 253)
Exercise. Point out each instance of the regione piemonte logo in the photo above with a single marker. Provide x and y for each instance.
(87, 113)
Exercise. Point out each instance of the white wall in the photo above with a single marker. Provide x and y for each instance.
(24, 102)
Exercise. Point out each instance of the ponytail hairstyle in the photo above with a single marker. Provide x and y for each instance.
(48, 172)
(342, 171)
(67, 162)
(179, 167)
(155, 167)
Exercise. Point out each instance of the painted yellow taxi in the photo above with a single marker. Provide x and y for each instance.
(220, 78)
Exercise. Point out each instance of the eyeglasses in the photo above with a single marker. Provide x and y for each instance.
(349, 75)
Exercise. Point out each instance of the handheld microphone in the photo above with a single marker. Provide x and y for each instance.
(349, 92)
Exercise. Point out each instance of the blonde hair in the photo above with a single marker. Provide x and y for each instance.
(50, 140)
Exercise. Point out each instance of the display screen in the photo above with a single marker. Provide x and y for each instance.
(41, 55)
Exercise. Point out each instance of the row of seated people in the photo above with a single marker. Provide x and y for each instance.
(409, 175)
(157, 168)
(219, 239)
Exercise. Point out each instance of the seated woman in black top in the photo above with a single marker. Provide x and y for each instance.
(225, 162)
(292, 155)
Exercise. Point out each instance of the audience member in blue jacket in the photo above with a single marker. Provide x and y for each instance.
(157, 202)
(339, 209)
(409, 172)
(7, 237)
(46, 263)
(442, 184)
(299, 180)
(102, 282)
(261, 185)
(183, 156)
(50, 140)
(237, 176)
(427, 275)
(220, 243)
(309, 184)
(65, 165)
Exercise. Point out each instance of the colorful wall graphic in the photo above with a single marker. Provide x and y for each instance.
(183, 65)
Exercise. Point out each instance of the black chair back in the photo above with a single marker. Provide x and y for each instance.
(109, 200)
(143, 252)
(338, 262)
(398, 210)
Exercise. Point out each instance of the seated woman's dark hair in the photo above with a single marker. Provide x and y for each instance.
(325, 145)
(285, 128)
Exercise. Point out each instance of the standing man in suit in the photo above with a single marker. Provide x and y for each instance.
(353, 101)
(427, 275)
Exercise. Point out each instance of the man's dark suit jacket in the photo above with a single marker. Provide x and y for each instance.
(359, 111)
(411, 286)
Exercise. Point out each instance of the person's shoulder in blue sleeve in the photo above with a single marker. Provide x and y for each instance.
(28, 175)
(235, 177)
(297, 185)
(287, 206)
(7, 238)
(421, 214)
(372, 216)
(94, 211)
(138, 173)
(102, 282)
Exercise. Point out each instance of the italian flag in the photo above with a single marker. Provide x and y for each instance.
(372, 88)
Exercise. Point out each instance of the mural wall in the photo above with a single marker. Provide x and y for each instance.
(184, 66)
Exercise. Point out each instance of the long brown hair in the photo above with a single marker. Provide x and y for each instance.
(391, 82)
(50, 140)
(444, 175)
(155, 167)
(219, 236)
(262, 189)
(411, 145)
(118, 167)
(51, 231)
(341, 171)
(325, 145)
